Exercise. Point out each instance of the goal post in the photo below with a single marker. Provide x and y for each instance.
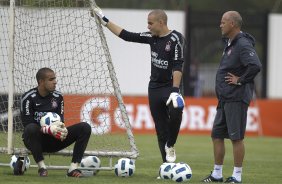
(10, 75)
(61, 35)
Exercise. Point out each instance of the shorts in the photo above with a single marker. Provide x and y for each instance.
(230, 120)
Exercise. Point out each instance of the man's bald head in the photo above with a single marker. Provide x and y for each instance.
(235, 17)
(159, 15)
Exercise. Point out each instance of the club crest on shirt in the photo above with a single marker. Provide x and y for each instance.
(167, 46)
(229, 52)
(54, 103)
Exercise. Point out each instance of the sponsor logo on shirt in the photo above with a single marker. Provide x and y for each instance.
(27, 108)
(38, 116)
(62, 107)
(146, 34)
(176, 53)
(159, 63)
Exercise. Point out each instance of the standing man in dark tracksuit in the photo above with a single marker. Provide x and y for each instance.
(234, 88)
(167, 57)
(55, 137)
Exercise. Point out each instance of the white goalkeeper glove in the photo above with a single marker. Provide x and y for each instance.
(104, 20)
(176, 99)
(56, 129)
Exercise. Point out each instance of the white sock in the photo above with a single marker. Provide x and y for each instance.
(41, 164)
(237, 173)
(217, 171)
(73, 166)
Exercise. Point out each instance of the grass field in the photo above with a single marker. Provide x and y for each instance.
(263, 163)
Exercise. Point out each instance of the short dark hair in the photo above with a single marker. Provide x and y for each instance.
(160, 15)
(41, 73)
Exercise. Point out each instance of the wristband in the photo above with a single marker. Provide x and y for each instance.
(105, 19)
(175, 89)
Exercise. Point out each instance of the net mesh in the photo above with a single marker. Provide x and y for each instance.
(65, 38)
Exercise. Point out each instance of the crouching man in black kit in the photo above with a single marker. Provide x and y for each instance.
(55, 137)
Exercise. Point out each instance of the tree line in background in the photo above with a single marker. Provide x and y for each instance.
(197, 5)
(274, 6)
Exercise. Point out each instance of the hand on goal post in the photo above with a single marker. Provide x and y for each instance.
(103, 19)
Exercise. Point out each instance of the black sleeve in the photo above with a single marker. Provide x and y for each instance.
(27, 112)
(248, 55)
(250, 59)
(135, 37)
(178, 52)
(250, 73)
(60, 109)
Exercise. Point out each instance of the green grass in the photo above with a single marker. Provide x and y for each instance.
(263, 161)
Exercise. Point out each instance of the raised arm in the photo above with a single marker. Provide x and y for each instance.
(114, 28)
(105, 22)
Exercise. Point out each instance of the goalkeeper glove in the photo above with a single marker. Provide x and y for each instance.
(56, 129)
(176, 99)
(104, 20)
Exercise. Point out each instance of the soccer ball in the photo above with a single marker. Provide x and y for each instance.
(181, 172)
(91, 161)
(165, 170)
(49, 118)
(125, 167)
(14, 159)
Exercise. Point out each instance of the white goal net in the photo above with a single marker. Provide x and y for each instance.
(61, 35)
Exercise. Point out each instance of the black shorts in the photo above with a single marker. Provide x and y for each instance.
(230, 120)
